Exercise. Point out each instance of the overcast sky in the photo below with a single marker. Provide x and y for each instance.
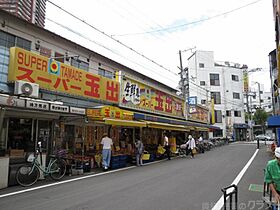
(240, 31)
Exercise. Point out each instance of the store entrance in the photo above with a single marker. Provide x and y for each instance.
(19, 134)
(24, 133)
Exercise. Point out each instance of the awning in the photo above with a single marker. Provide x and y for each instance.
(166, 126)
(273, 121)
(129, 123)
(202, 129)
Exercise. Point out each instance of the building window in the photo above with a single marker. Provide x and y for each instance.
(228, 113)
(269, 106)
(203, 101)
(236, 95)
(80, 64)
(217, 97)
(234, 78)
(45, 52)
(59, 57)
(261, 92)
(105, 73)
(214, 80)
(218, 116)
(261, 100)
(202, 83)
(268, 98)
(254, 97)
(201, 65)
(6, 42)
(237, 113)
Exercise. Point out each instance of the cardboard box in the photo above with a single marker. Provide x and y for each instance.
(17, 152)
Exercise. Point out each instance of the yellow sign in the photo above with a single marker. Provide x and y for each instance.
(110, 112)
(212, 111)
(139, 96)
(55, 76)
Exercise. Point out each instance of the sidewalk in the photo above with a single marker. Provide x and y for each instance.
(250, 187)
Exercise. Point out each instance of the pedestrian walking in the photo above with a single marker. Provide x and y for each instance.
(191, 145)
(201, 144)
(272, 175)
(139, 146)
(107, 144)
(166, 145)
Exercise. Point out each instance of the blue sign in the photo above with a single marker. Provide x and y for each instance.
(193, 100)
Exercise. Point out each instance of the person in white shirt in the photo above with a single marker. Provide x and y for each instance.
(166, 146)
(191, 145)
(106, 151)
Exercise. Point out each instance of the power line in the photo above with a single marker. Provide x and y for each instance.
(191, 23)
(110, 37)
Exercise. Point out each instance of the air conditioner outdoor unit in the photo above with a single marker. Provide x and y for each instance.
(26, 89)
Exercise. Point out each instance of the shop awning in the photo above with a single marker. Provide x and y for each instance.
(273, 121)
(202, 129)
(166, 126)
(129, 123)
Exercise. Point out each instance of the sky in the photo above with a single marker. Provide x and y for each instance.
(146, 35)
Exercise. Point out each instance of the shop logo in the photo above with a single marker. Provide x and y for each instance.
(54, 67)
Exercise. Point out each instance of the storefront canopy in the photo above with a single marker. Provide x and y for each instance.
(273, 121)
(129, 123)
(166, 126)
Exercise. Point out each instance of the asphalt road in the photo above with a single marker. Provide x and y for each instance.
(181, 183)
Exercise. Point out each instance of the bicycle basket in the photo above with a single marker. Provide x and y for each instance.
(30, 158)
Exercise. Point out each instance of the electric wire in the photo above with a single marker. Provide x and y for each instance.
(191, 23)
(108, 36)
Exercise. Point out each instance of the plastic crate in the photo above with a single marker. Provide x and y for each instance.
(115, 159)
(123, 157)
(115, 165)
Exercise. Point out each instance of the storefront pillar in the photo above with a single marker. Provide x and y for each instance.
(4, 171)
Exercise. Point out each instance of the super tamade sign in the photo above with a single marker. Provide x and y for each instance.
(55, 76)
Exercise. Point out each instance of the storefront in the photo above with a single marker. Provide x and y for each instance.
(25, 122)
(121, 127)
(240, 131)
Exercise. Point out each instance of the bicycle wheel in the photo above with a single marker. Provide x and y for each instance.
(57, 169)
(26, 176)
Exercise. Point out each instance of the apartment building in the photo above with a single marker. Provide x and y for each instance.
(222, 82)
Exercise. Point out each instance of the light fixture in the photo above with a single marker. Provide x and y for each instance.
(37, 45)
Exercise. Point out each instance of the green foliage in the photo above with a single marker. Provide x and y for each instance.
(260, 117)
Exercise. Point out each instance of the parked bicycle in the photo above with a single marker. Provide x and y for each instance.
(28, 174)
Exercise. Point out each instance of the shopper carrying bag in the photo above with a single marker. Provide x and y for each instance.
(139, 146)
(191, 145)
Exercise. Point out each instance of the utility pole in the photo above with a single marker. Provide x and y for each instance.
(185, 84)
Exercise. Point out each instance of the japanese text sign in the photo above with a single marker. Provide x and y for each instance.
(143, 97)
(55, 76)
(110, 112)
(199, 114)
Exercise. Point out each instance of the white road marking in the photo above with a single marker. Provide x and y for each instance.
(72, 180)
(220, 202)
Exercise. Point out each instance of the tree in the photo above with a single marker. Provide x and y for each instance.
(260, 118)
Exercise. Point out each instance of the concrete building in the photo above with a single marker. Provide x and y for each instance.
(259, 98)
(222, 81)
(30, 10)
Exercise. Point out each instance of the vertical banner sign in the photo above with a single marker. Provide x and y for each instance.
(212, 111)
(246, 81)
(278, 137)
(59, 77)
